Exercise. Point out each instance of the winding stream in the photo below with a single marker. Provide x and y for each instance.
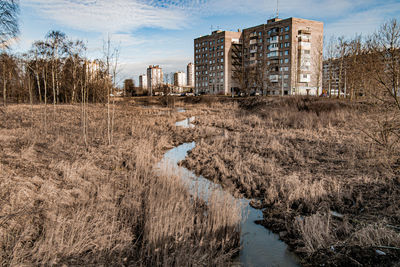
(260, 247)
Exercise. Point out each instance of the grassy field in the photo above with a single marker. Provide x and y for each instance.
(320, 169)
(326, 178)
(64, 201)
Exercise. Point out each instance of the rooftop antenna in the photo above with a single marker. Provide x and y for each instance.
(277, 8)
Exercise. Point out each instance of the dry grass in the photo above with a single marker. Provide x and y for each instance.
(315, 231)
(305, 157)
(62, 202)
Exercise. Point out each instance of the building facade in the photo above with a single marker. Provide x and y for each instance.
(143, 81)
(282, 57)
(179, 79)
(213, 65)
(154, 78)
(190, 75)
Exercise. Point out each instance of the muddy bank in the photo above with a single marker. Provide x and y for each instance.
(305, 163)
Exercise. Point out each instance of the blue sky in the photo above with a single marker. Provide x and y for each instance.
(162, 32)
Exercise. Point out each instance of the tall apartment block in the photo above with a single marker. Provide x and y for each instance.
(190, 75)
(280, 57)
(154, 77)
(213, 65)
(179, 79)
(143, 81)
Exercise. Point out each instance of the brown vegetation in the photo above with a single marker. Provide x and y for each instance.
(64, 200)
(328, 188)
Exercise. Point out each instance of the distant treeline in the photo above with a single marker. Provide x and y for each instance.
(54, 70)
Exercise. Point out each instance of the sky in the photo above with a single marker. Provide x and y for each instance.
(151, 32)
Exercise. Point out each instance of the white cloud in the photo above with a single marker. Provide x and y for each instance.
(112, 16)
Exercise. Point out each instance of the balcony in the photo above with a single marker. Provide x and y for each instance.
(305, 32)
(274, 78)
(273, 49)
(252, 35)
(252, 51)
(304, 38)
(305, 78)
(253, 41)
(305, 56)
(305, 45)
(274, 41)
(274, 62)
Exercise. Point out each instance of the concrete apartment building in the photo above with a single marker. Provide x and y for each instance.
(330, 77)
(154, 78)
(180, 79)
(280, 57)
(213, 65)
(190, 75)
(143, 81)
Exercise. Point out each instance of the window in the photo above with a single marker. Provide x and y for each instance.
(280, 53)
(286, 60)
(286, 36)
(286, 52)
(287, 44)
(259, 33)
(222, 53)
(222, 60)
(287, 28)
(281, 37)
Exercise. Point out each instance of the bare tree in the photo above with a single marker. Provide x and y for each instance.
(56, 45)
(111, 55)
(9, 10)
(354, 71)
(8, 67)
(385, 44)
(342, 49)
(75, 50)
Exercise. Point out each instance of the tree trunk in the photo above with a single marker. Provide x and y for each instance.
(4, 86)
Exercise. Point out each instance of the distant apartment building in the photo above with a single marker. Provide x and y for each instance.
(179, 79)
(190, 75)
(143, 81)
(154, 77)
(330, 77)
(282, 57)
(213, 62)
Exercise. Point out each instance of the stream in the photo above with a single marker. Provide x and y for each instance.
(260, 246)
